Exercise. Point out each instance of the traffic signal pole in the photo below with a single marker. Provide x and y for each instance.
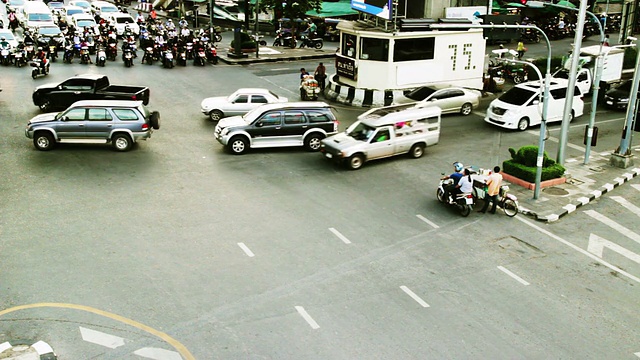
(622, 156)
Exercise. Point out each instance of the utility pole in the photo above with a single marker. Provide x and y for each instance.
(573, 73)
(255, 33)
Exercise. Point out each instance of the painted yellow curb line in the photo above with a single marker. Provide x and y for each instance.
(175, 343)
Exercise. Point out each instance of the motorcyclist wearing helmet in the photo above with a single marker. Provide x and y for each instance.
(456, 176)
(42, 57)
(27, 38)
(4, 44)
(183, 22)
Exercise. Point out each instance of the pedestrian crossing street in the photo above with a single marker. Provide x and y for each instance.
(609, 230)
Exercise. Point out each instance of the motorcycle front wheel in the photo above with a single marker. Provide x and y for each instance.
(510, 207)
(440, 195)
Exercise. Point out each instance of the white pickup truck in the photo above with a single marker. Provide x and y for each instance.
(613, 58)
(385, 132)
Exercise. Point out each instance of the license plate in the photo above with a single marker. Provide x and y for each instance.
(469, 201)
(329, 156)
(609, 102)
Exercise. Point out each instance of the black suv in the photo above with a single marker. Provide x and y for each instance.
(278, 125)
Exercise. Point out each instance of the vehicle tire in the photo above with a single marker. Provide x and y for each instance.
(303, 95)
(572, 115)
(45, 105)
(293, 44)
(215, 115)
(465, 210)
(440, 195)
(318, 45)
(276, 43)
(466, 109)
(355, 162)
(312, 142)
(518, 78)
(523, 124)
(215, 61)
(510, 207)
(150, 61)
(121, 142)
(154, 118)
(34, 73)
(417, 150)
(238, 145)
(218, 37)
(262, 43)
(43, 141)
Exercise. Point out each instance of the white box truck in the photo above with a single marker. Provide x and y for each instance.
(613, 58)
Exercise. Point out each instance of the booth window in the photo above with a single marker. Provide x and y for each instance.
(349, 45)
(374, 49)
(413, 49)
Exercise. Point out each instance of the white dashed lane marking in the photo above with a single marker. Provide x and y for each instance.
(314, 325)
(414, 296)
(246, 250)
(100, 338)
(340, 236)
(518, 278)
(433, 225)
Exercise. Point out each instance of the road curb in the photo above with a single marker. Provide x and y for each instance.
(19, 349)
(231, 61)
(586, 198)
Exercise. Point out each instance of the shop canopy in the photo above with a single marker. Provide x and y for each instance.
(333, 9)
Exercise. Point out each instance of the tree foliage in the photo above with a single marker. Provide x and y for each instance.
(292, 9)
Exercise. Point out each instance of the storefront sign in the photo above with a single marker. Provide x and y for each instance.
(379, 8)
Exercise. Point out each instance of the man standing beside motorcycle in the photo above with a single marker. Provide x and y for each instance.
(493, 181)
(456, 176)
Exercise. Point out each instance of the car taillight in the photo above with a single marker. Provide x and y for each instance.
(145, 126)
(133, 97)
(335, 125)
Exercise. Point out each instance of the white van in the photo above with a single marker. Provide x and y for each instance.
(36, 14)
(521, 106)
(103, 8)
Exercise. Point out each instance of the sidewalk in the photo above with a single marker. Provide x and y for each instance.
(585, 183)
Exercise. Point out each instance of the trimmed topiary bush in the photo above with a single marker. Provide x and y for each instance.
(523, 165)
(246, 42)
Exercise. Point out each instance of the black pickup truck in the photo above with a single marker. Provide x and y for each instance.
(85, 87)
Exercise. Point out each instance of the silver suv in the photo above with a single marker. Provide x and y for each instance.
(120, 122)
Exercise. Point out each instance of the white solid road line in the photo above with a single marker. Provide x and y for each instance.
(340, 236)
(576, 248)
(433, 225)
(555, 139)
(620, 200)
(637, 354)
(518, 278)
(636, 186)
(314, 325)
(246, 250)
(614, 225)
(414, 296)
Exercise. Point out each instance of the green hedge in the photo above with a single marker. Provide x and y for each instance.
(246, 42)
(528, 173)
(523, 165)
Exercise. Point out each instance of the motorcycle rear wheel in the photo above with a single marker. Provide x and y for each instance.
(465, 210)
(318, 45)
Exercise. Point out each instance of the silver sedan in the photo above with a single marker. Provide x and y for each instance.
(448, 98)
(239, 103)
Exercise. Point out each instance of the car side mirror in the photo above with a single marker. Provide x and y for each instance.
(64, 118)
(536, 102)
(259, 124)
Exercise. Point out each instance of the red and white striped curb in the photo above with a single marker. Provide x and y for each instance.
(146, 7)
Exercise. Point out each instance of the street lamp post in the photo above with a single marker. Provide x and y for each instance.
(545, 99)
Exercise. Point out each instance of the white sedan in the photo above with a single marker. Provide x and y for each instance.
(448, 98)
(239, 103)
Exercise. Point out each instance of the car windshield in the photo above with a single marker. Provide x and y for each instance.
(82, 4)
(16, 2)
(8, 35)
(74, 11)
(252, 115)
(625, 86)
(420, 93)
(40, 17)
(561, 74)
(124, 20)
(48, 30)
(86, 23)
(109, 9)
(517, 96)
(361, 131)
(56, 5)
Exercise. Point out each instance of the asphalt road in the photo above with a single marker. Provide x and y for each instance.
(279, 254)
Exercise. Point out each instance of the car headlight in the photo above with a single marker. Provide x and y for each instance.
(623, 100)
(224, 131)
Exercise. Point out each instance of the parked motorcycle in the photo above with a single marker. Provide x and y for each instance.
(38, 69)
(312, 41)
(463, 202)
(101, 57)
(285, 39)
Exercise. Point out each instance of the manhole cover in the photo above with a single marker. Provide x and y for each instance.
(519, 247)
(555, 191)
